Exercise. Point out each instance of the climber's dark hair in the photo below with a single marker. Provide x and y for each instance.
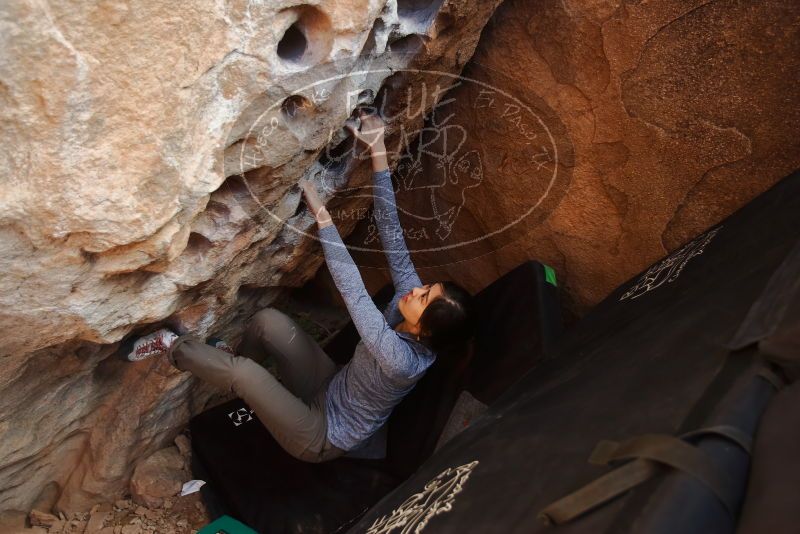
(448, 322)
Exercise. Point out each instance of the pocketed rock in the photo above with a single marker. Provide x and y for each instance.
(123, 206)
(159, 476)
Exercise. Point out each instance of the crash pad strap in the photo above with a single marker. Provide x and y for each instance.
(741, 438)
(675, 453)
(647, 452)
(772, 377)
(599, 491)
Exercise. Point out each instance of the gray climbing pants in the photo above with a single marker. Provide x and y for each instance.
(292, 410)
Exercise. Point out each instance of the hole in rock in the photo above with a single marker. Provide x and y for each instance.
(295, 106)
(444, 22)
(89, 257)
(418, 11)
(217, 210)
(409, 45)
(293, 44)
(370, 44)
(391, 99)
(300, 207)
(308, 39)
(198, 244)
(366, 96)
(365, 103)
(232, 197)
(337, 159)
(235, 186)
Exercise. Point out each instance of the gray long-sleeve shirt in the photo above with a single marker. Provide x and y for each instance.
(386, 364)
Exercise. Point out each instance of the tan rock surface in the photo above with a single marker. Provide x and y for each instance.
(42, 519)
(120, 125)
(656, 120)
(157, 477)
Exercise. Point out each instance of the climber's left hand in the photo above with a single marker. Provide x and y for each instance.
(315, 204)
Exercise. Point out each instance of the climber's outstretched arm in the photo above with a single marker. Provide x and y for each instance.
(404, 275)
(393, 354)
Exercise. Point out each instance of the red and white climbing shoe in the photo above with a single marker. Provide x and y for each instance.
(154, 344)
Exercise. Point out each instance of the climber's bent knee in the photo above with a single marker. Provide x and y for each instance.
(270, 321)
(298, 426)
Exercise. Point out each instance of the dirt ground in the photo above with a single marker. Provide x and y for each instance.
(178, 515)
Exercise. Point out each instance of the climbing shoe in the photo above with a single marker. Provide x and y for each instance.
(154, 344)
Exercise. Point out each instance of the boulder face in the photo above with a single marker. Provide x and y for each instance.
(599, 136)
(150, 154)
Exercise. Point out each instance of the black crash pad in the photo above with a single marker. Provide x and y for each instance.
(653, 358)
(251, 478)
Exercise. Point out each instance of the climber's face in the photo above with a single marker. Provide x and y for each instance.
(413, 303)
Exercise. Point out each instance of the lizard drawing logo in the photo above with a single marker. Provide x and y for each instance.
(454, 174)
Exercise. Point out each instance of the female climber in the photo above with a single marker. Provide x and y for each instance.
(317, 411)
